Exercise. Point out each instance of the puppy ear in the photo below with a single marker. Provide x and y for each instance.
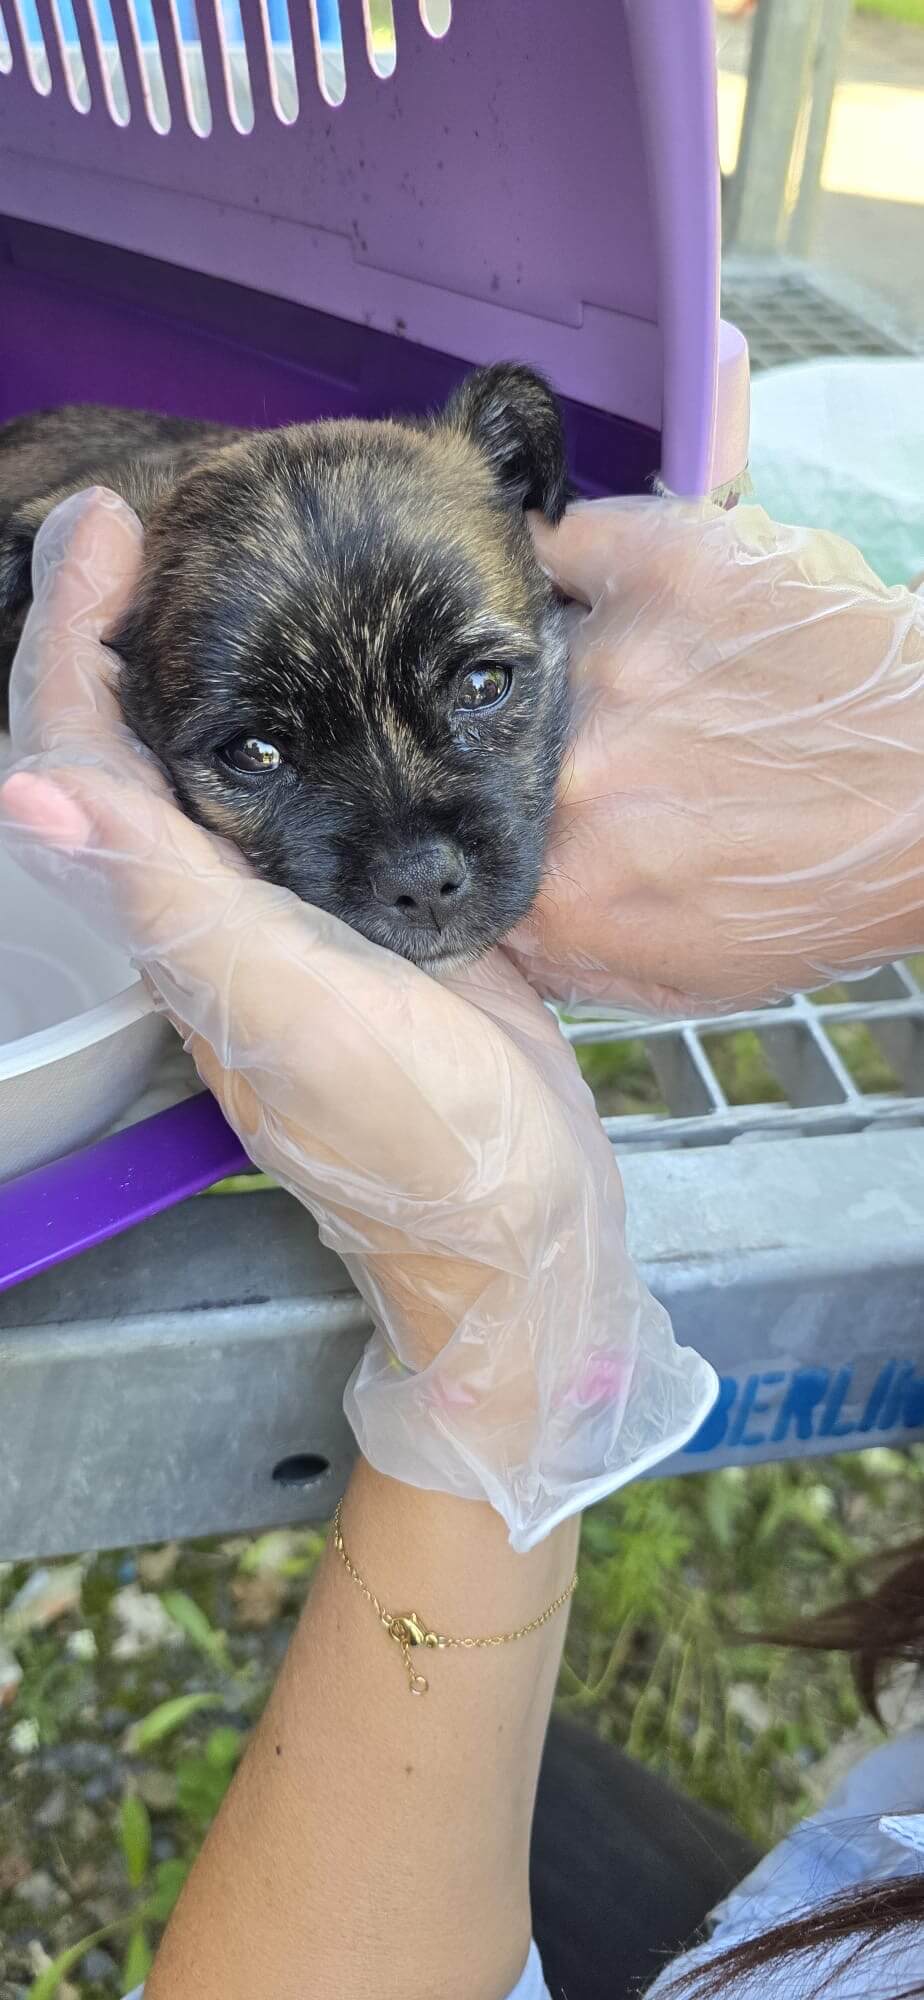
(510, 413)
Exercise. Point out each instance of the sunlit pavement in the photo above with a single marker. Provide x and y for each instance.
(870, 224)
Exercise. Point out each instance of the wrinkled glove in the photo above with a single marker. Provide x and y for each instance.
(743, 813)
(440, 1133)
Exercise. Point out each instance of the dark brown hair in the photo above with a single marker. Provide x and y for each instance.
(879, 1629)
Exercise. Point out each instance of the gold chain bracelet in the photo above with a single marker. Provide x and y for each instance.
(408, 1630)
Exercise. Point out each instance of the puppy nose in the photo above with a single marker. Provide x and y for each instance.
(424, 885)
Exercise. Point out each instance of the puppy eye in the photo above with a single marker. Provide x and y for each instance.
(484, 687)
(252, 755)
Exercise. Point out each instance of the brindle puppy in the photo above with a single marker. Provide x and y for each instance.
(341, 649)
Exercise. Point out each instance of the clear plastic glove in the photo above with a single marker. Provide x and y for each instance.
(441, 1134)
(743, 815)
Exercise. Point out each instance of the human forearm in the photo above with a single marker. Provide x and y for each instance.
(375, 1842)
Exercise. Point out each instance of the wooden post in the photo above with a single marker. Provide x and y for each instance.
(763, 192)
(835, 18)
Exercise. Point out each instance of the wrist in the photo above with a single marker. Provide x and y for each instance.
(371, 1842)
(449, 1558)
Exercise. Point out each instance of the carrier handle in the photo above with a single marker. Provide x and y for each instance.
(57, 1211)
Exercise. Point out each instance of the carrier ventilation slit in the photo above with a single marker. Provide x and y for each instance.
(167, 40)
(33, 42)
(101, 48)
(193, 81)
(436, 16)
(125, 54)
(70, 47)
(236, 67)
(380, 36)
(145, 46)
(328, 49)
(51, 32)
(280, 59)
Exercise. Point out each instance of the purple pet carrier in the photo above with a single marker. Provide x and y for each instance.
(236, 214)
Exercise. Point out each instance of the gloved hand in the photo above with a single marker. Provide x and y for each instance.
(743, 813)
(440, 1133)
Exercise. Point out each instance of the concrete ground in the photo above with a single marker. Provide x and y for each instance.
(870, 227)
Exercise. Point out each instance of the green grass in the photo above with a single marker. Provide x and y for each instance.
(741, 1068)
(895, 10)
(622, 1079)
(674, 1574)
(864, 1060)
(624, 1083)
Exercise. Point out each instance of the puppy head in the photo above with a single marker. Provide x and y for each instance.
(348, 661)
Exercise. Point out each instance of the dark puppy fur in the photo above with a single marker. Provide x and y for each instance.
(342, 649)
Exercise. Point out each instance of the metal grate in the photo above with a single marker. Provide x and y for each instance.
(845, 1060)
(822, 1064)
(785, 316)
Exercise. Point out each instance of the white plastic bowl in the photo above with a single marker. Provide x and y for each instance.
(79, 1039)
